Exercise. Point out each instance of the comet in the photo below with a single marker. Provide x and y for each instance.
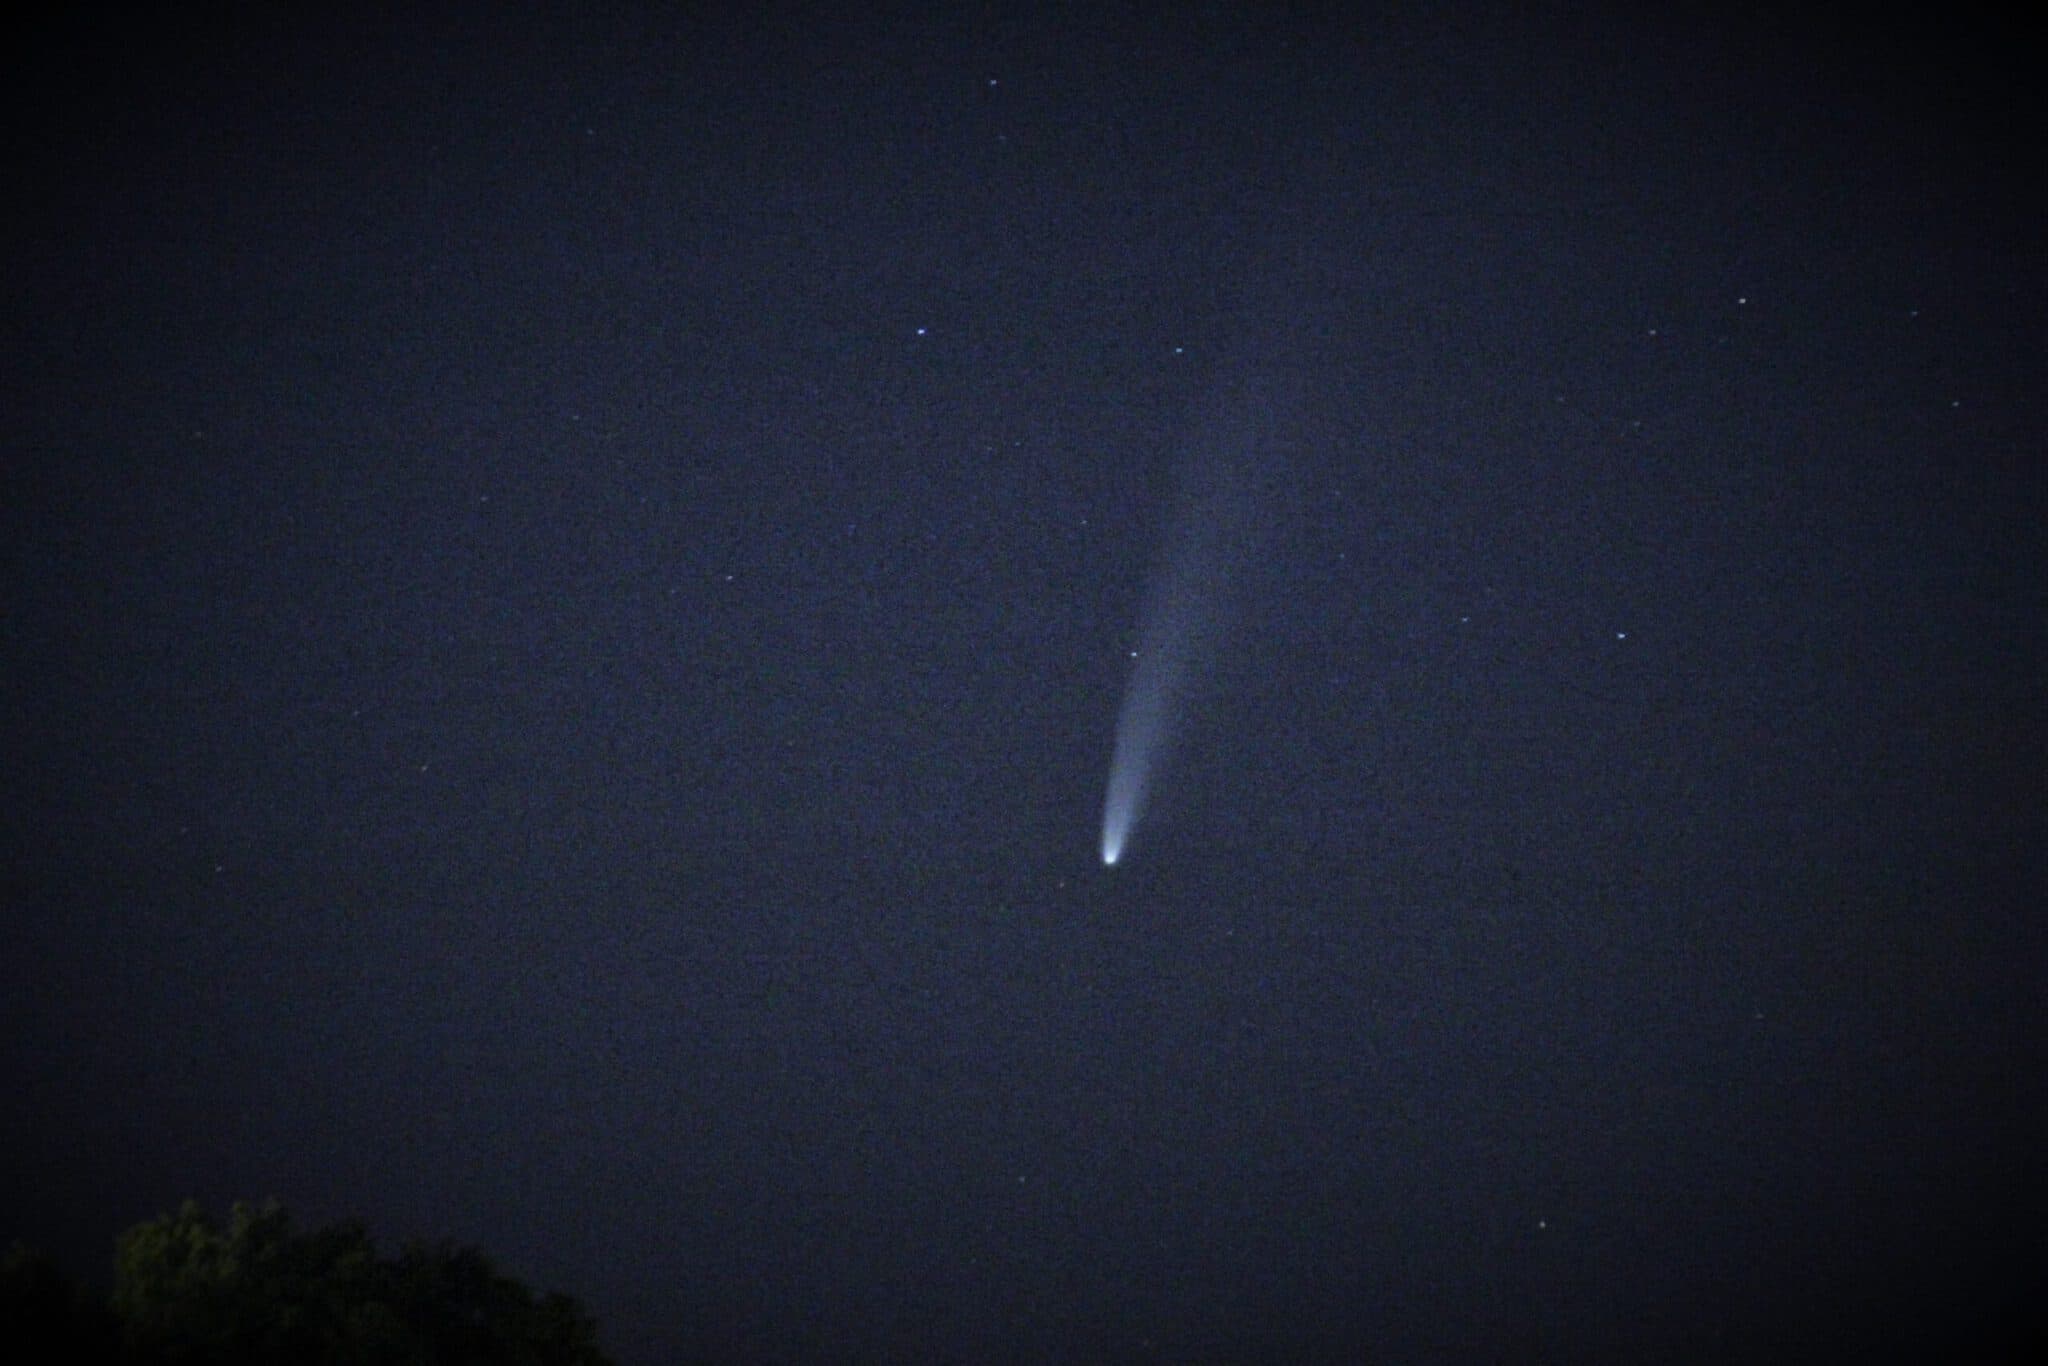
(1212, 539)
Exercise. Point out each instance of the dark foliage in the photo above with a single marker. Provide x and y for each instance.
(188, 1289)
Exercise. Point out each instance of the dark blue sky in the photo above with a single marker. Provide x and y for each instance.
(569, 578)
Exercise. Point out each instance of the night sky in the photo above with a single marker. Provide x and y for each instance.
(569, 577)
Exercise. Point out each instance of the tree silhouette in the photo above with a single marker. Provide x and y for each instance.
(189, 1290)
(39, 1306)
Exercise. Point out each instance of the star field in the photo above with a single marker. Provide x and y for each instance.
(570, 580)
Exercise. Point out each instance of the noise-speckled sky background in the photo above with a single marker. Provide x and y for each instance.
(569, 575)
